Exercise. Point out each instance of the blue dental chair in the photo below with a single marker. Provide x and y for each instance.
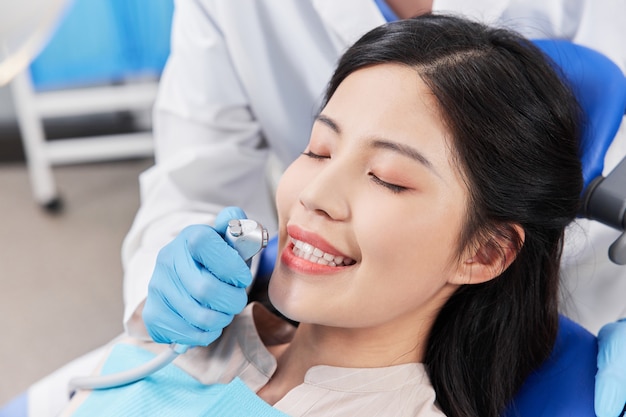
(600, 87)
(564, 385)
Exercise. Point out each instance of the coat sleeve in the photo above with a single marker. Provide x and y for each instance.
(209, 151)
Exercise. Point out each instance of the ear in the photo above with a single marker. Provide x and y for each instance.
(489, 259)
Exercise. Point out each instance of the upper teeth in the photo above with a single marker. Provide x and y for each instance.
(312, 254)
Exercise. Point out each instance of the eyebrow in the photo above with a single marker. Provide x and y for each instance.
(382, 143)
(402, 149)
(328, 122)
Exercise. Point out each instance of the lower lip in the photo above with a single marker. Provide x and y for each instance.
(289, 259)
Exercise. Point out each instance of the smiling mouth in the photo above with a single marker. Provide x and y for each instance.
(312, 254)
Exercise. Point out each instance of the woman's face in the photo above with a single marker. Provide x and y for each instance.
(371, 213)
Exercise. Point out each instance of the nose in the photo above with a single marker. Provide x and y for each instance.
(328, 192)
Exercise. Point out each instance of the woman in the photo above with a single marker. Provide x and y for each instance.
(419, 235)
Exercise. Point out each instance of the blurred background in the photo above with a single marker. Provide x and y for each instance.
(74, 136)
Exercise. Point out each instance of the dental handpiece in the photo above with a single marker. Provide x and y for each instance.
(247, 237)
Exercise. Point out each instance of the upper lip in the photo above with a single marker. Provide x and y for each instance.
(313, 239)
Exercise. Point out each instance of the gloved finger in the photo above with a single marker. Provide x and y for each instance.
(213, 293)
(186, 282)
(187, 323)
(227, 214)
(171, 328)
(208, 248)
(610, 390)
(176, 302)
(610, 394)
(204, 319)
(200, 284)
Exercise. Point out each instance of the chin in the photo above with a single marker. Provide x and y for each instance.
(285, 308)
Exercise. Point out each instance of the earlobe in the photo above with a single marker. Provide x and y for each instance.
(490, 259)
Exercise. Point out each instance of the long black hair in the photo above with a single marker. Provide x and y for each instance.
(515, 130)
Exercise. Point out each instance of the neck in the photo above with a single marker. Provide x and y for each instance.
(315, 345)
(357, 348)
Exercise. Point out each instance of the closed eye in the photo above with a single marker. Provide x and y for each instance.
(314, 155)
(396, 189)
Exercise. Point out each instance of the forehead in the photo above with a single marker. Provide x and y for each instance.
(392, 101)
(393, 93)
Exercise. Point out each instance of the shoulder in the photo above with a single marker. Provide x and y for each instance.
(391, 391)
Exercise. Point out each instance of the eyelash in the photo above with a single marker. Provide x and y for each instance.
(396, 189)
(314, 155)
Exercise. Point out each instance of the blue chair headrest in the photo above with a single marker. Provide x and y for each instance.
(600, 87)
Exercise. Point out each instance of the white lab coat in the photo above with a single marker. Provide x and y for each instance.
(245, 79)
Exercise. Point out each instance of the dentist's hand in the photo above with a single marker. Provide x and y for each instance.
(198, 285)
(610, 394)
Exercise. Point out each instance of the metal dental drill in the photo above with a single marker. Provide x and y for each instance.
(247, 237)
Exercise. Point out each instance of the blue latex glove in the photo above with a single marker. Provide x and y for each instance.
(198, 285)
(610, 394)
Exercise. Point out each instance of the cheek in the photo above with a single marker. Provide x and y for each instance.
(287, 190)
(406, 269)
(422, 240)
